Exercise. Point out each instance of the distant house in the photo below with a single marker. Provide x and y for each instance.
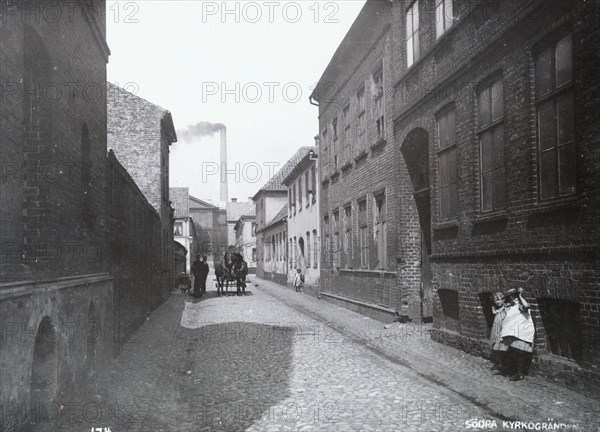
(184, 230)
(235, 210)
(270, 199)
(303, 221)
(274, 261)
(245, 238)
(210, 223)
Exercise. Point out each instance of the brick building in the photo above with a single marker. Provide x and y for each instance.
(211, 227)
(140, 133)
(370, 249)
(53, 208)
(492, 167)
(503, 95)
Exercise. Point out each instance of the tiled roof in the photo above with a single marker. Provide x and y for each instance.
(251, 213)
(276, 183)
(282, 214)
(179, 196)
(235, 210)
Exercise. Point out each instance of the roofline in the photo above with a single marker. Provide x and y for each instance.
(299, 167)
(344, 46)
(203, 202)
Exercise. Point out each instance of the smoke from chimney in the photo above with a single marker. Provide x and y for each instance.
(203, 129)
(223, 192)
(199, 130)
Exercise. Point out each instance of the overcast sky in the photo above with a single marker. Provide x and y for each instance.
(248, 65)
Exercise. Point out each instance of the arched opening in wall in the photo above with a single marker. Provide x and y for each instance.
(301, 252)
(449, 302)
(44, 370)
(486, 301)
(92, 335)
(562, 326)
(415, 150)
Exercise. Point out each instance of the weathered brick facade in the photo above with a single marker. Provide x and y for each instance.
(473, 205)
(53, 141)
(140, 133)
(367, 169)
(547, 246)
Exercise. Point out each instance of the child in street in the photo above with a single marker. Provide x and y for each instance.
(499, 348)
(517, 333)
(298, 280)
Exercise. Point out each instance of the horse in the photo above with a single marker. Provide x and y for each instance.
(232, 268)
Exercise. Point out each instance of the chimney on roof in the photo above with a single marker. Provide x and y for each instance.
(233, 199)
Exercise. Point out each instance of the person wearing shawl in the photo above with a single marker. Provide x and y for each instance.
(518, 332)
(499, 348)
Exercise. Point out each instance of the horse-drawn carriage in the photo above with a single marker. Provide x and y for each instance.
(231, 269)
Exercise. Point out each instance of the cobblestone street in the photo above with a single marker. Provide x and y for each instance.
(270, 361)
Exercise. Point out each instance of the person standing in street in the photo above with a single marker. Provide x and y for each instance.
(204, 270)
(197, 268)
(298, 280)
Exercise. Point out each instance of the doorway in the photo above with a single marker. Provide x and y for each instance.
(415, 150)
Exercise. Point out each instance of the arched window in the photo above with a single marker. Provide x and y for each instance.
(315, 249)
(307, 255)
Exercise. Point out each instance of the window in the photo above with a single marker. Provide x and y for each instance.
(378, 107)
(291, 252)
(294, 198)
(307, 254)
(254, 256)
(253, 229)
(348, 236)
(301, 252)
(381, 230)
(336, 239)
(290, 199)
(562, 325)
(335, 148)
(363, 235)
(296, 254)
(307, 187)
(412, 34)
(325, 152)
(447, 172)
(315, 249)
(300, 194)
(326, 249)
(178, 231)
(313, 178)
(491, 147)
(362, 119)
(555, 120)
(444, 16)
(347, 137)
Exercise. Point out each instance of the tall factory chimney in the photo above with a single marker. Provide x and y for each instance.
(224, 194)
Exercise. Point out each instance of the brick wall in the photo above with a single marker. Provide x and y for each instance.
(369, 170)
(548, 248)
(50, 165)
(135, 235)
